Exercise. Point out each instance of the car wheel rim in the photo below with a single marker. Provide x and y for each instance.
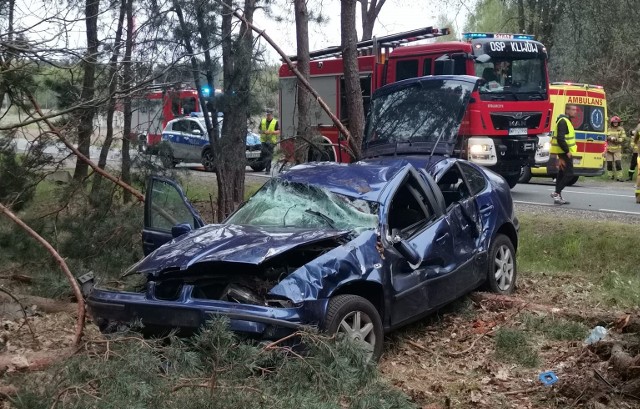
(208, 160)
(504, 268)
(358, 326)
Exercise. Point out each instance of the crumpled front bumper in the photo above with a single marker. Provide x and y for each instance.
(187, 313)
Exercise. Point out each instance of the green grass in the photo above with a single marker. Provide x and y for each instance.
(603, 252)
(513, 345)
(557, 329)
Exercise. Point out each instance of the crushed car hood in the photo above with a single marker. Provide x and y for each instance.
(230, 243)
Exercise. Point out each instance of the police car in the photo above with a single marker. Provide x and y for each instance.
(187, 141)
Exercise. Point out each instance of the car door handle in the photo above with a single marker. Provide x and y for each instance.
(486, 209)
(442, 238)
(589, 139)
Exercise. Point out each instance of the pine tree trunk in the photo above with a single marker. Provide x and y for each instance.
(111, 107)
(351, 74)
(88, 110)
(128, 84)
(303, 131)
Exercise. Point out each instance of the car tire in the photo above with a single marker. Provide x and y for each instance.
(502, 269)
(167, 160)
(573, 181)
(346, 314)
(512, 180)
(258, 167)
(208, 160)
(525, 175)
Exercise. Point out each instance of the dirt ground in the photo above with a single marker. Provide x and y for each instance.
(448, 360)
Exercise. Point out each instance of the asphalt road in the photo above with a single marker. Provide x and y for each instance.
(591, 194)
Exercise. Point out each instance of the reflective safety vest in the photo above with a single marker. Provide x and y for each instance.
(273, 138)
(570, 137)
(618, 133)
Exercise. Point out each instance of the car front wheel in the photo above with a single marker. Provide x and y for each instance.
(502, 271)
(208, 161)
(356, 318)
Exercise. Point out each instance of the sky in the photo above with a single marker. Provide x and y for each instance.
(396, 16)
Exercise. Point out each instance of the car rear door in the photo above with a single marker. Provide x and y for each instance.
(167, 213)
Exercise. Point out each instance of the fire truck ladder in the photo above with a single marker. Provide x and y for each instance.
(376, 45)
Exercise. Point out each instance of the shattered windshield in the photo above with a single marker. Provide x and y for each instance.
(280, 203)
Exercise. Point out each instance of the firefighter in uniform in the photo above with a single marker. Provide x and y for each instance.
(563, 144)
(615, 140)
(269, 131)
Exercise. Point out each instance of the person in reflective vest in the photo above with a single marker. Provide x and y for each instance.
(269, 131)
(563, 144)
(615, 139)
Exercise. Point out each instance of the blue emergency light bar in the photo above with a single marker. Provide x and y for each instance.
(503, 36)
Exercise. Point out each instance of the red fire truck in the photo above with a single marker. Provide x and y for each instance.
(159, 105)
(507, 112)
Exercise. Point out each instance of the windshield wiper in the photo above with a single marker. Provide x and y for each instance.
(324, 217)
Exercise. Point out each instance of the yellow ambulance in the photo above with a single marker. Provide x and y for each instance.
(590, 124)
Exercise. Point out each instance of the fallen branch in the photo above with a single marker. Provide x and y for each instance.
(24, 313)
(496, 302)
(35, 361)
(415, 344)
(48, 305)
(17, 277)
(63, 265)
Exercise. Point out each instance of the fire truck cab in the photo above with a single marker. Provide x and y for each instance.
(506, 114)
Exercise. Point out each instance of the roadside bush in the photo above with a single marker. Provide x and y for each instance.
(214, 369)
(20, 173)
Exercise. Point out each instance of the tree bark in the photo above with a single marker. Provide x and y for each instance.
(521, 17)
(111, 105)
(236, 56)
(369, 13)
(303, 131)
(87, 112)
(355, 107)
(127, 78)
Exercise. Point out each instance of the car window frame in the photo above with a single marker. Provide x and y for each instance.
(432, 206)
(461, 167)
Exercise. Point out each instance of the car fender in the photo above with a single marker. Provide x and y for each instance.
(357, 260)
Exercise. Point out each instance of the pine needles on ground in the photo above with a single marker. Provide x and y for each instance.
(213, 369)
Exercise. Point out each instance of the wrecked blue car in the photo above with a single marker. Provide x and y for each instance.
(359, 249)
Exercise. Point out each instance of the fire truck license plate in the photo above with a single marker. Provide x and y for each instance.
(518, 131)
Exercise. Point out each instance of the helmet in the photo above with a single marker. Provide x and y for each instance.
(615, 119)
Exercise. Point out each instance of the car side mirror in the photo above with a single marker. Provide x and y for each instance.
(180, 229)
(196, 132)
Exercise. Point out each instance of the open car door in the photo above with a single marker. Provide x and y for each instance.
(167, 213)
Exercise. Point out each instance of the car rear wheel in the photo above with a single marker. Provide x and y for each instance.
(258, 167)
(208, 161)
(356, 318)
(502, 269)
